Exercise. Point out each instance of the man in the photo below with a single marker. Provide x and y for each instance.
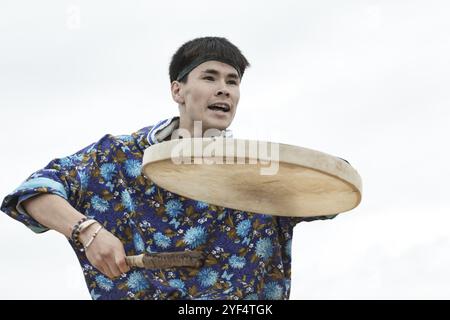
(101, 202)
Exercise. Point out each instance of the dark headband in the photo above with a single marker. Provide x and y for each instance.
(198, 61)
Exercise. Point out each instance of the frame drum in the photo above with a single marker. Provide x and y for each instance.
(254, 176)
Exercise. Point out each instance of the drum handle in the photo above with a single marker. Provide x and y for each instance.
(135, 261)
(162, 260)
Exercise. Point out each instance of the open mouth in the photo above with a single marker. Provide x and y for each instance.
(219, 107)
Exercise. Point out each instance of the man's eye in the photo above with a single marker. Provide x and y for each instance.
(232, 82)
(209, 78)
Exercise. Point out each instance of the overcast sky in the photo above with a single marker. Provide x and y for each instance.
(364, 80)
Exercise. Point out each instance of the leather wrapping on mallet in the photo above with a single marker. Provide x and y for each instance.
(162, 260)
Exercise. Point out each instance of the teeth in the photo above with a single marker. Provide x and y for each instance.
(221, 106)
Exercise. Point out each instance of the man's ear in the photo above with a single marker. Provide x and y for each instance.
(177, 92)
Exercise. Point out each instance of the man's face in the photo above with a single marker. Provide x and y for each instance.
(211, 95)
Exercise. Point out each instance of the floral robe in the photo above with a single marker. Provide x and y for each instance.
(248, 255)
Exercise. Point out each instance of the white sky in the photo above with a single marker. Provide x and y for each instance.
(364, 80)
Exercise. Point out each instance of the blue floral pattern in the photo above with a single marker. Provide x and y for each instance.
(194, 237)
(107, 171)
(127, 201)
(174, 208)
(179, 284)
(243, 228)
(133, 168)
(139, 244)
(273, 291)
(104, 282)
(161, 240)
(237, 262)
(208, 277)
(99, 204)
(137, 282)
(264, 248)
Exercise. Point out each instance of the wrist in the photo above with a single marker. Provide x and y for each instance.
(87, 232)
(97, 227)
(81, 230)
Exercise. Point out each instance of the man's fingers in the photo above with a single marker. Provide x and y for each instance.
(122, 264)
(114, 269)
(102, 270)
(107, 271)
(108, 253)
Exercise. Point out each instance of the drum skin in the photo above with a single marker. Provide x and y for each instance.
(255, 176)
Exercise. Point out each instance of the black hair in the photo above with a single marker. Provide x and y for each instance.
(207, 48)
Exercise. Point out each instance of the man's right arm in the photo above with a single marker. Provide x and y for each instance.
(53, 197)
(54, 212)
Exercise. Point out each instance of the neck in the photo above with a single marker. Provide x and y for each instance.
(194, 129)
(188, 126)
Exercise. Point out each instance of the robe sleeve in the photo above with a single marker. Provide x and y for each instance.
(66, 177)
(287, 223)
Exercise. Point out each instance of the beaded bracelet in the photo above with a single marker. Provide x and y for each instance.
(76, 232)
